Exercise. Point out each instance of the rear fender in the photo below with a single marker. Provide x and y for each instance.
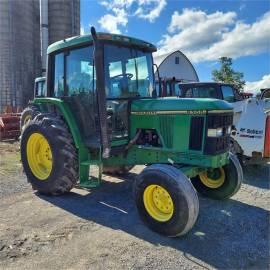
(66, 114)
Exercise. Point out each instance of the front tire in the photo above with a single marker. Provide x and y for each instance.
(221, 183)
(48, 155)
(166, 200)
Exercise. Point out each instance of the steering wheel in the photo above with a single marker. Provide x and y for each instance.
(128, 75)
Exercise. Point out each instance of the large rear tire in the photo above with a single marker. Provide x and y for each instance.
(166, 200)
(221, 183)
(48, 155)
(117, 169)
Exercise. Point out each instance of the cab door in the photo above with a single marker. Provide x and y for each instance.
(74, 81)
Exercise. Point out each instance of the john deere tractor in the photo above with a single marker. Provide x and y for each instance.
(101, 110)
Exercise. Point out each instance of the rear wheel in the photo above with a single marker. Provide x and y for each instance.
(48, 155)
(28, 114)
(220, 183)
(117, 169)
(166, 200)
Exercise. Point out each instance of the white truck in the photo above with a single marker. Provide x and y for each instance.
(250, 133)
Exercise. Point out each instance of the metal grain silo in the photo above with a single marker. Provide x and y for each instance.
(20, 43)
(19, 51)
(64, 19)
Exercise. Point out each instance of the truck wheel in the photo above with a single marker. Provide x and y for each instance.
(221, 183)
(166, 200)
(28, 113)
(48, 155)
(117, 169)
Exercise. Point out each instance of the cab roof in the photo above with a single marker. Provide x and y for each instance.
(40, 79)
(84, 39)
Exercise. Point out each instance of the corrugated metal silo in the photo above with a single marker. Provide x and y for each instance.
(20, 47)
(19, 51)
(64, 19)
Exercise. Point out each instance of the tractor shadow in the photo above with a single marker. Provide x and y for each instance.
(227, 235)
(257, 176)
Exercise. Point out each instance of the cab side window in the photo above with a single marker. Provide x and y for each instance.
(58, 76)
(228, 93)
(73, 72)
(80, 75)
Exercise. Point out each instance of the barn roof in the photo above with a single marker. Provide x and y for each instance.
(162, 62)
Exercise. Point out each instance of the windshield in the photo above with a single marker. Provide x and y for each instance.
(128, 72)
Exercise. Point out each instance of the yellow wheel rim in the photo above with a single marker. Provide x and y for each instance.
(213, 179)
(158, 203)
(39, 156)
(26, 119)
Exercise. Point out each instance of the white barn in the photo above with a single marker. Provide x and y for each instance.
(176, 65)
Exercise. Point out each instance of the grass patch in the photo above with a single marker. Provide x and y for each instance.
(10, 163)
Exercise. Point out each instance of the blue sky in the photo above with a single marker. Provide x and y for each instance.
(204, 30)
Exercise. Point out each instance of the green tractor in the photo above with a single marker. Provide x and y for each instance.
(101, 110)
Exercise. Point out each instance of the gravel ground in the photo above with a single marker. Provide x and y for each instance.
(100, 229)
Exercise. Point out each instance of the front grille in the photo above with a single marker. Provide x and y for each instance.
(196, 133)
(213, 145)
(166, 129)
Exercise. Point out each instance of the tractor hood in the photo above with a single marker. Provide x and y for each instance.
(172, 105)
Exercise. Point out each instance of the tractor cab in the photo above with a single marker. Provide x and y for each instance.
(98, 76)
(40, 87)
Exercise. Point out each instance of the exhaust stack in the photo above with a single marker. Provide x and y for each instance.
(44, 36)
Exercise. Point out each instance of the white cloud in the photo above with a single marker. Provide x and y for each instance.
(150, 9)
(111, 22)
(254, 87)
(191, 18)
(116, 4)
(121, 10)
(206, 37)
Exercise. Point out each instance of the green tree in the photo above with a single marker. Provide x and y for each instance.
(227, 74)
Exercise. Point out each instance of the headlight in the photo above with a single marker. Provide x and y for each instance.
(215, 132)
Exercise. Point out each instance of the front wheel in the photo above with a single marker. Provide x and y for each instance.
(220, 183)
(166, 200)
